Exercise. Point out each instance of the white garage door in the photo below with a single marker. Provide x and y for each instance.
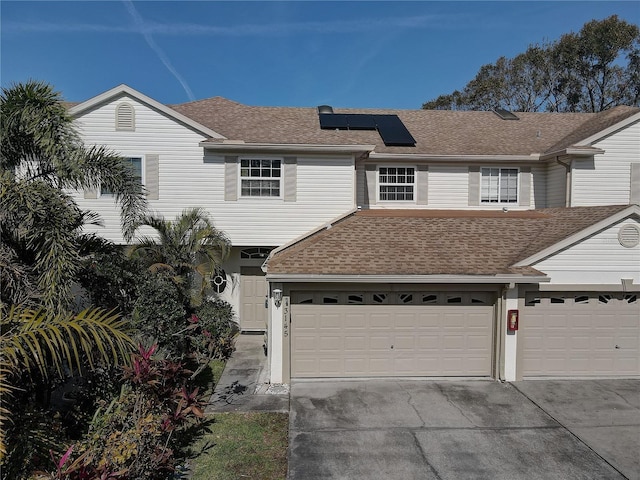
(391, 334)
(580, 335)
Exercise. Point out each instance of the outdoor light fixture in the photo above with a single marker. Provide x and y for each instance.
(277, 296)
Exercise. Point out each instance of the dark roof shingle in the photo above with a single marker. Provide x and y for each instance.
(428, 242)
(437, 132)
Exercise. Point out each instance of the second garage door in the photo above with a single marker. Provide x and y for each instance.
(391, 334)
(580, 335)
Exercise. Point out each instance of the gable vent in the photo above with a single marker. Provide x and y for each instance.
(125, 117)
(629, 236)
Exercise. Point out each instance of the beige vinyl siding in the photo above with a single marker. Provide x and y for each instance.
(606, 180)
(556, 185)
(600, 259)
(448, 186)
(187, 177)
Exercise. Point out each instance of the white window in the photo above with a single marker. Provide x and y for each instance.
(136, 164)
(396, 183)
(499, 185)
(260, 177)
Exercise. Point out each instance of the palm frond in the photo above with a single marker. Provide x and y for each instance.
(36, 339)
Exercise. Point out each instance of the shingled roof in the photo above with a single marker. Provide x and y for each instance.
(437, 132)
(434, 242)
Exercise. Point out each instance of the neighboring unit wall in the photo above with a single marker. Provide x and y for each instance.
(606, 179)
(187, 177)
(600, 259)
(556, 191)
(447, 186)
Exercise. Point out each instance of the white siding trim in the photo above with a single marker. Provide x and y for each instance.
(123, 89)
(633, 210)
(608, 131)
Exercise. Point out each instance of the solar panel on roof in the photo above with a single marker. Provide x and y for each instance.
(393, 131)
(361, 121)
(390, 127)
(333, 121)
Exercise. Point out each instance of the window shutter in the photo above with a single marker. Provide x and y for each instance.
(125, 117)
(524, 189)
(422, 181)
(230, 178)
(371, 180)
(634, 192)
(474, 186)
(290, 178)
(91, 193)
(152, 176)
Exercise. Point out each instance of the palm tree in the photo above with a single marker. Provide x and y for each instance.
(42, 247)
(36, 343)
(41, 157)
(189, 249)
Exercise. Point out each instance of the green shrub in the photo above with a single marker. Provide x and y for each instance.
(160, 316)
(212, 331)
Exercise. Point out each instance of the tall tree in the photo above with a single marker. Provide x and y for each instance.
(41, 158)
(589, 71)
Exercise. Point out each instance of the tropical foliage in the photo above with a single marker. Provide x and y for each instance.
(188, 249)
(141, 432)
(589, 71)
(37, 345)
(41, 157)
(126, 417)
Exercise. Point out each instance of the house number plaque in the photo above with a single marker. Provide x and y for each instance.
(286, 312)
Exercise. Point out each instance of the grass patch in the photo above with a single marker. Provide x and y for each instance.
(243, 445)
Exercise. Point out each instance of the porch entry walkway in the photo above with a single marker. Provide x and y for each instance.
(243, 386)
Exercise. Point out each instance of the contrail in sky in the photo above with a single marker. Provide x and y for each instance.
(154, 46)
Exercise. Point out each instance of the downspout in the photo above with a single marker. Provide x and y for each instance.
(501, 312)
(567, 187)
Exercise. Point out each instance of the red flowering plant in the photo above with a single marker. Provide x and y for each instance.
(145, 432)
(211, 331)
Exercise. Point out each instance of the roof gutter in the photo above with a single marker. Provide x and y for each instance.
(449, 158)
(485, 279)
(574, 151)
(241, 147)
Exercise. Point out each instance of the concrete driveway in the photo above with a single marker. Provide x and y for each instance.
(408, 429)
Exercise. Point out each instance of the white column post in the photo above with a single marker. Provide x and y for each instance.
(276, 336)
(510, 338)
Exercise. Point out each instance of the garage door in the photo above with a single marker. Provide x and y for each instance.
(391, 334)
(580, 335)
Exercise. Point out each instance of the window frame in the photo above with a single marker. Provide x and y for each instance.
(413, 185)
(500, 201)
(280, 179)
(142, 174)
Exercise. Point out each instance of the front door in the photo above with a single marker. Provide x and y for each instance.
(253, 293)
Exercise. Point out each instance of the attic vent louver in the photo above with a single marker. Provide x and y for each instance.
(629, 236)
(125, 117)
(325, 109)
(505, 114)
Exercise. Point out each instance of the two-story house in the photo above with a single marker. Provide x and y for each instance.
(375, 243)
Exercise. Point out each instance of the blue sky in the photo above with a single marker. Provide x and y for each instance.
(296, 53)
